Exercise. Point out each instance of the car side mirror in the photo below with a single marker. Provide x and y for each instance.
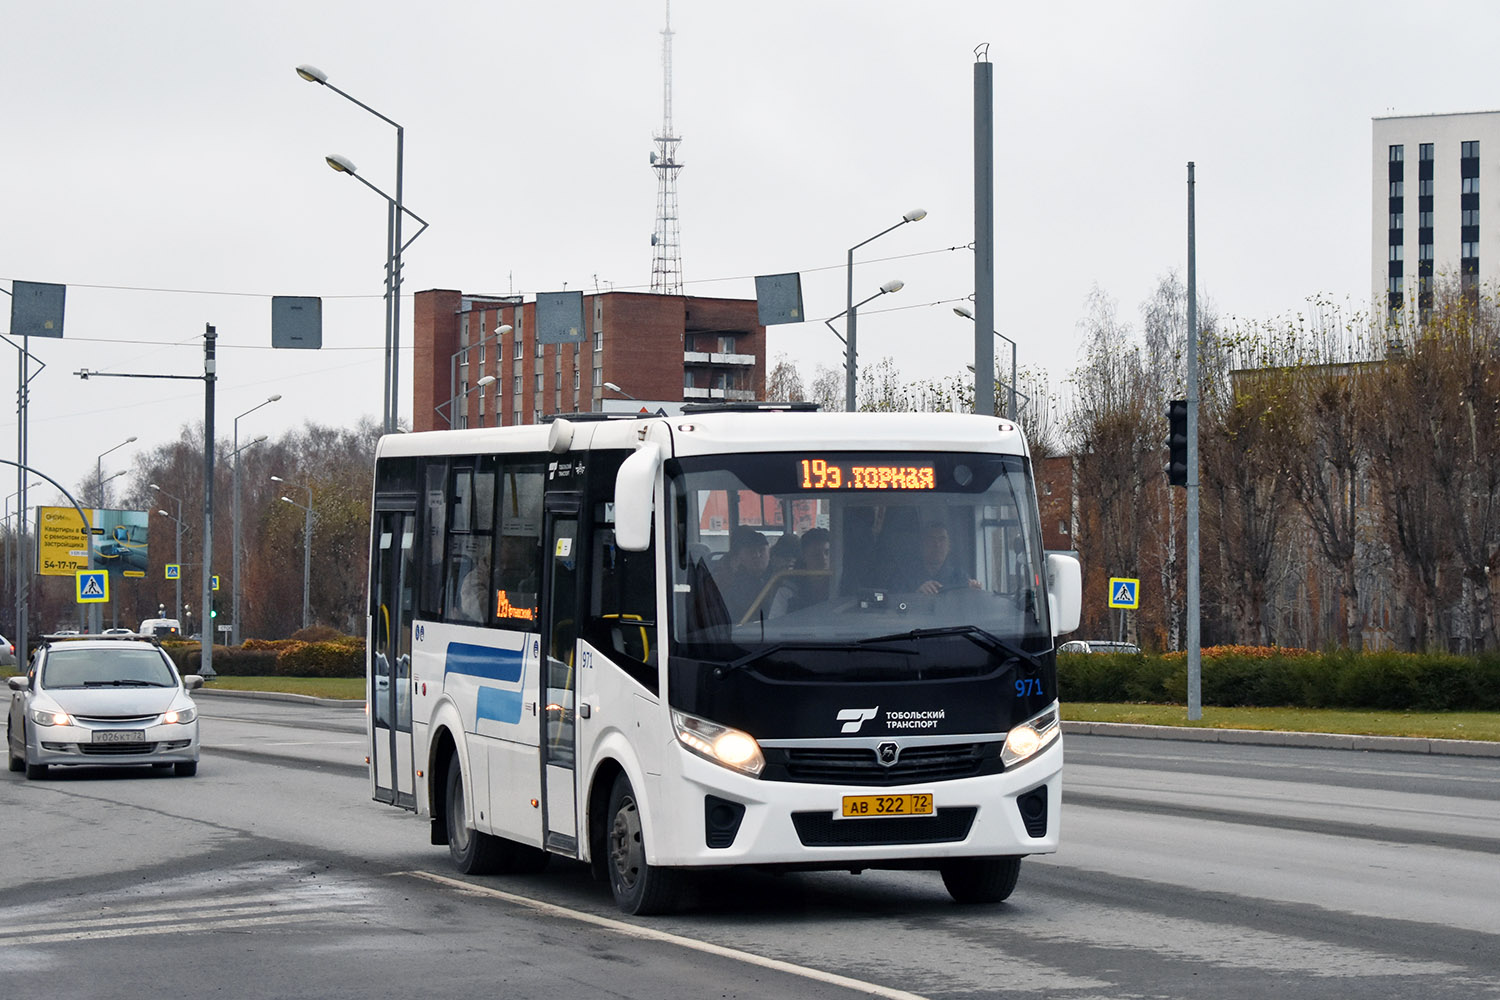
(192, 682)
(17, 683)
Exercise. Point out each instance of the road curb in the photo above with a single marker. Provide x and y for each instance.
(303, 699)
(1326, 741)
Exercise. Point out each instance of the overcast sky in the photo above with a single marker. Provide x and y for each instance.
(163, 160)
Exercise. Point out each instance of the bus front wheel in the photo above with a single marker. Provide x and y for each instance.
(981, 880)
(639, 888)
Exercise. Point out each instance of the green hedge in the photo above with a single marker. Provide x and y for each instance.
(341, 657)
(1258, 677)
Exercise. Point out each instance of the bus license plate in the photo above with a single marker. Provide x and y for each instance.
(119, 736)
(909, 804)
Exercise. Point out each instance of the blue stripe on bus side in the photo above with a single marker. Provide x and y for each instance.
(504, 665)
(498, 704)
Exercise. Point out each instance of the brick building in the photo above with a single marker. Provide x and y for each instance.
(654, 347)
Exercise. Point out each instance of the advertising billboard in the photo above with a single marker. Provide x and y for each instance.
(117, 541)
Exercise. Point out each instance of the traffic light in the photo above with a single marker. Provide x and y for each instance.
(213, 612)
(1177, 442)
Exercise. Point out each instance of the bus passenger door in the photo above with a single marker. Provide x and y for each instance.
(393, 592)
(560, 624)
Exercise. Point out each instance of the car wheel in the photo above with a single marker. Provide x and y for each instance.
(640, 888)
(474, 853)
(981, 880)
(185, 768)
(36, 772)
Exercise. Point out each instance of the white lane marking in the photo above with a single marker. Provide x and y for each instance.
(632, 930)
(94, 922)
(181, 928)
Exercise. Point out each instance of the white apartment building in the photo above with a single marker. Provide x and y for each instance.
(1425, 205)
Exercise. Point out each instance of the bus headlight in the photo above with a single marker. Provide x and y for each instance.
(1031, 737)
(726, 747)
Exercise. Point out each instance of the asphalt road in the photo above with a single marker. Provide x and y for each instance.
(1187, 870)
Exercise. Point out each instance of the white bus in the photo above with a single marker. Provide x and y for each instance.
(743, 636)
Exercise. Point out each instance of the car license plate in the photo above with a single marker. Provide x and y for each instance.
(908, 804)
(119, 736)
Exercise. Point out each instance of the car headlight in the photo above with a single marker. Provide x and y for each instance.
(43, 717)
(1031, 737)
(727, 747)
(180, 716)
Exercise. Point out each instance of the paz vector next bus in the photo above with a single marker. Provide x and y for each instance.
(742, 636)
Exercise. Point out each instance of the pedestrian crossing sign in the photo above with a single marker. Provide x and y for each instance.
(93, 586)
(174, 571)
(1124, 593)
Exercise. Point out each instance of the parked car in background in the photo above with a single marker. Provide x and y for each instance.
(1097, 646)
(102, 700)
(7, 654)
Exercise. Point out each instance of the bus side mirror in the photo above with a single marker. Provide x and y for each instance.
(634, 487)
(1064, 592)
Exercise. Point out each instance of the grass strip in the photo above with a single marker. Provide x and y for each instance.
(1358, 722)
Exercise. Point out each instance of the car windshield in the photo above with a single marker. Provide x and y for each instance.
(781, 548)
(128, 666)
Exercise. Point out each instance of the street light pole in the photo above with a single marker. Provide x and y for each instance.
(234, 585)
(1011, 404)
(95, 612)
(394, 247)
(178, 519)
(915, 215)
(306, 544)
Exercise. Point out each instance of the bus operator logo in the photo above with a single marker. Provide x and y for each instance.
(853, 718)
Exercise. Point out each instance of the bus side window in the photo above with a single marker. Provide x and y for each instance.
(520, 553)
(471, 522)
(622, 618)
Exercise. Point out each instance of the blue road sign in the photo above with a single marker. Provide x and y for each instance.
(1124, 592)
(174, 571)
(93, 586)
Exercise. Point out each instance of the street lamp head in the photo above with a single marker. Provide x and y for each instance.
(259, 439)
(915, 215)
(503, 329)
(272, 399)
(289, 500)
(162, 512)
(611, 385)
(963, 311)
(484, 381)
(894, 285)
(312, 74)
(130, 439)
(342, 164)
(152, 486)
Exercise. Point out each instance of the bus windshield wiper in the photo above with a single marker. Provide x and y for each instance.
(776, 647)
(979, 636)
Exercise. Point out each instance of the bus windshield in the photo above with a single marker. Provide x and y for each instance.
(837, 548)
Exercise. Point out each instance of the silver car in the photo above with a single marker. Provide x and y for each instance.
(102, 701)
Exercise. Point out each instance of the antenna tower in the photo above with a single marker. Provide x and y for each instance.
(666, 252)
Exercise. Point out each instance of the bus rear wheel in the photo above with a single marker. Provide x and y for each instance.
(981, 880)
(476, 853)
(640, 888)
